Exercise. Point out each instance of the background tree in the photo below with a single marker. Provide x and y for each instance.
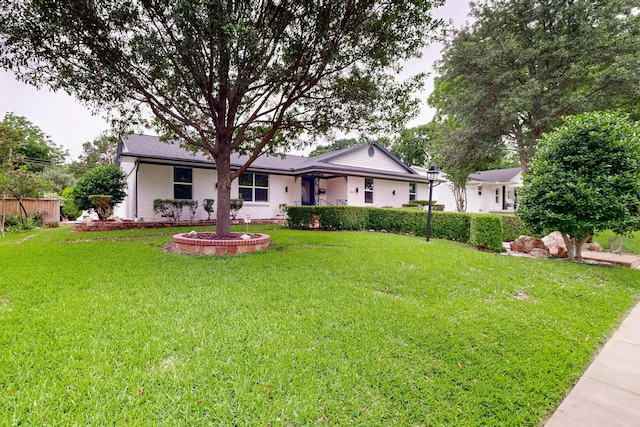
(338, 144)
(584, 178)
(101, 151)
(35, 148)
(106, 180)
(509, 76)
(415, 145)
(226, 76)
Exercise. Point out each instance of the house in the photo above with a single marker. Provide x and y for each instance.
(364, 175)
(493, 191)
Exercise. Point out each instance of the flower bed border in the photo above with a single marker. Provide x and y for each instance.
(235, 246)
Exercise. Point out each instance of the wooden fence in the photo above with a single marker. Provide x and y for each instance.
(49, 207)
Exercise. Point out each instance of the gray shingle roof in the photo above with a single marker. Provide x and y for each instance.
(496, 176)
(151, 148)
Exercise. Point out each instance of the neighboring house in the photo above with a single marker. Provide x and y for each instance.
(364, 175)
(491, 191)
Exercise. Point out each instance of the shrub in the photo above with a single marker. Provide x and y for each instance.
(69, 209)
(485, 231)
(299, 217)
(513, 227)
(236, 205)
(192, 207)
(450, 226)
(169, 208)
(208, 205)
(106, 180)
(102, 205)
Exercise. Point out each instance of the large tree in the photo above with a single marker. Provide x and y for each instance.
(101, 151)
(584, 178)
(34, 148)
(225, 76)
(520, 65)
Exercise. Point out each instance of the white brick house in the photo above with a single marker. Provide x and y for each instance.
(364, 175)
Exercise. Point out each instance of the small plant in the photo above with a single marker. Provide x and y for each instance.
(208, 207)
(169, 208)
(192, 207)
(102, 205)
(236, 205)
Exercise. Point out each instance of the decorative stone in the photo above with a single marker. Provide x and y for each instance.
(539, 253)
(595, 247)
(555, 243)
(526, 244)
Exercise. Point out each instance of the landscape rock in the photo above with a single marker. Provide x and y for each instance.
(526, 244)
(555, 243)
(539, 253)
(595, 247)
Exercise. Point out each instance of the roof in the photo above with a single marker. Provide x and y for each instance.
(496, 176)
(150, 148)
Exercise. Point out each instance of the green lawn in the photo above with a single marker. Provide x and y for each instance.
(631, 243)
(324, 328)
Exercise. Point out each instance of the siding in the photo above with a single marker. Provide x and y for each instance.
(357, 158)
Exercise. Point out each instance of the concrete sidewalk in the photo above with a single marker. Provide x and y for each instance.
(608, 394)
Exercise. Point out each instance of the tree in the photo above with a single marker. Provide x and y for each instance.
(106, 180)
(226, 76)
(23, 138)
(415, 145)
(509, 76)
(584, 178)
(101, 151)
(338, 144)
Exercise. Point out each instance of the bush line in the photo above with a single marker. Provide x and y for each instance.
(481, 230)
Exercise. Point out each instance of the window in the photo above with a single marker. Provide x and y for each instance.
(480, 190)
(412, 191)
(497, 195)
(368, 190)
(254, 187)
(182, 183)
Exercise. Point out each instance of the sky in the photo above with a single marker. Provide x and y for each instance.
(69, 123)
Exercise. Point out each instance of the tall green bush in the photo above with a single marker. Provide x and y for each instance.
(106, 180)
(485, 231)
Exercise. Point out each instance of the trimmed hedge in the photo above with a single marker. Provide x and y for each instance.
(513, 227)
(482, 230)
(485, 231)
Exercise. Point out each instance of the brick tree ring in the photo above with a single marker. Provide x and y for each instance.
(211, 244)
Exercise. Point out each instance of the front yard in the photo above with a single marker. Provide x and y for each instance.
(324, 328)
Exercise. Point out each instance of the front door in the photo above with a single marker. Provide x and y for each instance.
(308, 191)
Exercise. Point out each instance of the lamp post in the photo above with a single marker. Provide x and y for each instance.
(432, 176)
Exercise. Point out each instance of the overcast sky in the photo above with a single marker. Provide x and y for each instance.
(70, 124)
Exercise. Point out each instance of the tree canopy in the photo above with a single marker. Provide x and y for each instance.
(225, 76)
(35, 149)
(338, 144)
(585, 178)
(511, 74)
(100, 151)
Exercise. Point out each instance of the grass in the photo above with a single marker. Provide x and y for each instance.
(324, 328)
(631, 243)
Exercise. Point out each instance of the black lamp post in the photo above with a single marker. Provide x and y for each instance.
(432, 176)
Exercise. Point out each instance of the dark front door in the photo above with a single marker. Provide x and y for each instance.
(308, 191)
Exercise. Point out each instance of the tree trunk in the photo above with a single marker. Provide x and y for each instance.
(612, 244)
(621, 246)
(223, 215)
(579, 245)
(569, 242)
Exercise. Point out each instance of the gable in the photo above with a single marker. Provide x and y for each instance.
(369, 157)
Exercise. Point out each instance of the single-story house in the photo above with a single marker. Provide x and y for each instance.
(492, 191)
(363, 175)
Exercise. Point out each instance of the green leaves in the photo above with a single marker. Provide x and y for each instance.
(585, 177)
(103, 180)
